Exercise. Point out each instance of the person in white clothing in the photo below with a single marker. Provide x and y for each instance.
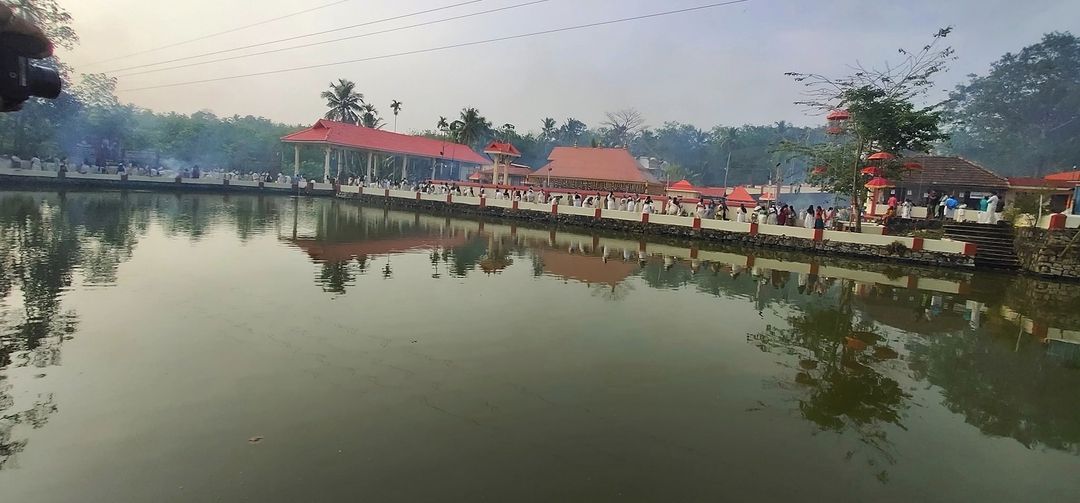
(905, 209)
(808, 219)
(991, 209)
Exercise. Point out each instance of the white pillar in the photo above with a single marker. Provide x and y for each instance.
(326, 165)
(340, 162)
(370, 166)
(404, 167)
(433, 163)
(296, 160)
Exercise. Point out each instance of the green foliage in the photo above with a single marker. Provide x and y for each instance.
(343, 102)
(1022, 117)
(1026, 207)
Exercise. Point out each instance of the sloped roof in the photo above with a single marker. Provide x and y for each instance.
(363, 138)
(682, 185)
(712, 191)
(595, 164)
(740, 195)
(951, 172)
(1031, 182)
(1068, 176)
(504, 148)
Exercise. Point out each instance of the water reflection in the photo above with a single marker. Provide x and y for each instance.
(852, 340)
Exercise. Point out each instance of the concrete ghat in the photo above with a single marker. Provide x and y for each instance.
(913, 250)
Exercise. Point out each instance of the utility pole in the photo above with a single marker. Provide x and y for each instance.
(776, 196)
(727, 169)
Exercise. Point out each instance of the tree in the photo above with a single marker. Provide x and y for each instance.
(1023, 117)
(369, 117)
(442, 124)
(395, 105)
(53, 19)
(570, 132)
(623, 126)
(343, 102)
(471, 128)
(883, 117)
(549, 129)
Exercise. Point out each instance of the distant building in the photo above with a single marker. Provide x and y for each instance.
(517, 172)
(959, 177)
(600, 169)
(405, 156)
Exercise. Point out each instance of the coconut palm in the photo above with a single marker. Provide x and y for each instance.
(471, 127)
(443, 124)
(395, 105)
(550, 128)
(343, 102)
(369, 117)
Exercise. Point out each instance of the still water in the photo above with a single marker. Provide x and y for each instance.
(164, 347)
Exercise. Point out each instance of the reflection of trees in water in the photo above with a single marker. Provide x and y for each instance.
(838, 375)
(1004, 386)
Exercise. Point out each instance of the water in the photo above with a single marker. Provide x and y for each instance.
(163, 347)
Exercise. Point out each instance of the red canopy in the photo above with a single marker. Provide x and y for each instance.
(879, 183)
(838, 115)
(871, 170)
(913, 165)
(881, 156)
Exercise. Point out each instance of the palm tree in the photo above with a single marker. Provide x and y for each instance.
(550, 128)
(369, 117)
(471, 127)
(395, 105)
(343, 101)
(442, 125)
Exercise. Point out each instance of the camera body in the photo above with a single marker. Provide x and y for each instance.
(19, 78)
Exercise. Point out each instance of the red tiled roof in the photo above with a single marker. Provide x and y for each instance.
(1069, 176)
(951, 172)
(740, 195)
(683, 185)
(595, 164)
(363, 138)
(1023, 181)
(712, 191)
(498, 147)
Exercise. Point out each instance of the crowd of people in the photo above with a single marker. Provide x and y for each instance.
(944, 206)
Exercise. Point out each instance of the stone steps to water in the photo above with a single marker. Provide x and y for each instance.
(994, 243)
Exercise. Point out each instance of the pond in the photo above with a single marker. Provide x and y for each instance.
(177, 347)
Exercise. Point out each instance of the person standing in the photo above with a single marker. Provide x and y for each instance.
(905, 209)
(992, 208)
(808, 219)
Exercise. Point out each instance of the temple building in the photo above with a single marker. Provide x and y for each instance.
(377, 154)
(517, 173)
(600, 169)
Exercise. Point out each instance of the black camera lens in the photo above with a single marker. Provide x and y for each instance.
(42, 82)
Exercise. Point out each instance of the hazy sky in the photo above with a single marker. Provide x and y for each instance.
(718, 66)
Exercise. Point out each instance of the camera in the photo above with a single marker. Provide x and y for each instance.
(19, 78)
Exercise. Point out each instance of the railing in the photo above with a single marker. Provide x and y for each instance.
(942, 246)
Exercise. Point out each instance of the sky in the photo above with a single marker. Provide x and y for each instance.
(719, 66)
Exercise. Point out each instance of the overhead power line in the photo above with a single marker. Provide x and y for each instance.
(445, 47)
(312, 44)
(211, 35)
(297, 37)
